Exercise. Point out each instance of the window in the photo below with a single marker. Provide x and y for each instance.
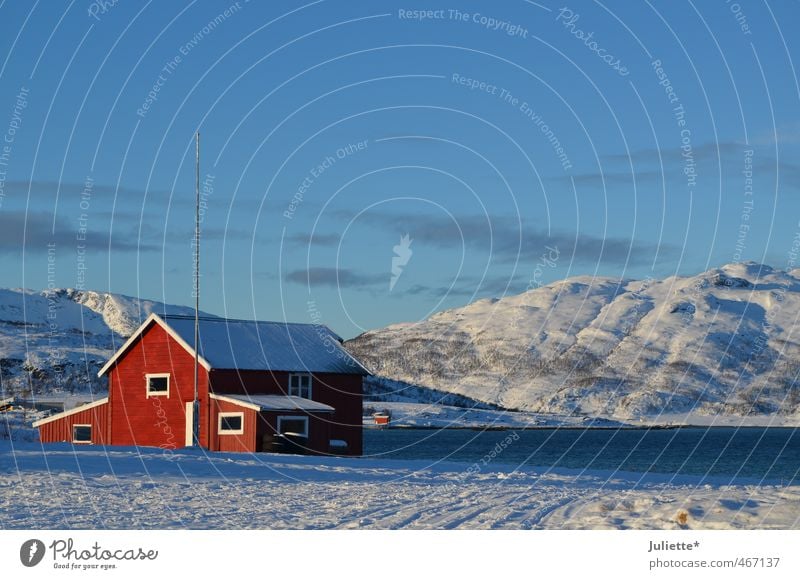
(157, 384)
(297, 425)
(300, 385)
(82, 433)
(231, 423)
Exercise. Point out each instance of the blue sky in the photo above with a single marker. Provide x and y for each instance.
(514, 143)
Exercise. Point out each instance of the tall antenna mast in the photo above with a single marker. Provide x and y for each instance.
(196, 404)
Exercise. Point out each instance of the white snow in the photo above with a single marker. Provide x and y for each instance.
(278, 402)
(718, 348)
(722, 343)
(56, 341)
(96, 487)
(256, 345)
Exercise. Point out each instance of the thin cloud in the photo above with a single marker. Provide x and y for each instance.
(611, 178)
(317, 240)
(35, 232)
(726, 157)
(490, 286)
(702, 152)
(334, 277)
(510, 243)
(723, 153)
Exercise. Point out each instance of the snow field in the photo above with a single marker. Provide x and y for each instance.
(128, 488)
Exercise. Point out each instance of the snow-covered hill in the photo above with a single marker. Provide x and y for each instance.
(726, 341)
(56, 341)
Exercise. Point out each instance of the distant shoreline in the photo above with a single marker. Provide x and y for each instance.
(573, 427)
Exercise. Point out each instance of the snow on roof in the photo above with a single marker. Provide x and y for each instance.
(227, 344)
(277, 346)
(275, 402)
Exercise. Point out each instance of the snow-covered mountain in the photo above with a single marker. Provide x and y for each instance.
(56, 341)
(726, 341)
(722, 342)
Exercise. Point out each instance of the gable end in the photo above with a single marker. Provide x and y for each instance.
(152, 318)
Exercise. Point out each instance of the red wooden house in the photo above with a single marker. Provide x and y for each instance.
(262, 386)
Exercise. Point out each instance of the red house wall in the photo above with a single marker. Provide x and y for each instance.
(249, 382)
(232, 442)
(259, 423)
(61, 430)
(342, 391)
(158, 420)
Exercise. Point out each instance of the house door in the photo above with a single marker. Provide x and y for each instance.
(189, 424)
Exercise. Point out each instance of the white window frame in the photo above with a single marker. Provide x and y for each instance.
(147, 384)
(310, 385)
(289, 417)
(222, 415)
(91, 433)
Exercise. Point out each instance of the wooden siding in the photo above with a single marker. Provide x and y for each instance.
(342, 391)
(248, 382)
(132, 418)
(245, 442)
(158, 420)
(60, 430)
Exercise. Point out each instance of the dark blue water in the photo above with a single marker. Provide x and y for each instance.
(757, 453)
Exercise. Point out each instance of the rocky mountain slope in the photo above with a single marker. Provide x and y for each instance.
(56, 341)
(722, 342)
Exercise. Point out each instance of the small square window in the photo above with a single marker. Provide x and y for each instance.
(231, 423)
(82, 433)
(157, 385)
(300, 385)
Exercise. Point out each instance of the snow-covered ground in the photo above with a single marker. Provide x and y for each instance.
(94, 487)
